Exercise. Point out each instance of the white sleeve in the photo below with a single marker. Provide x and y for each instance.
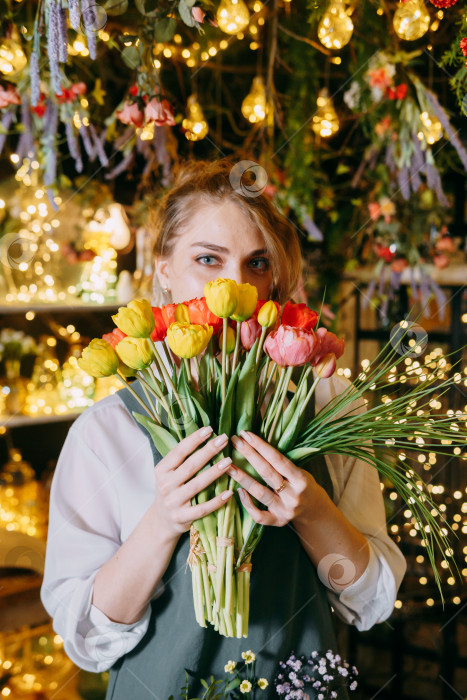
(357, 493)
(84, 533)
(370, 599)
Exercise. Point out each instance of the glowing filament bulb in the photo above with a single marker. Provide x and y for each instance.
(411, 20)
(232, 16)
(335, 28)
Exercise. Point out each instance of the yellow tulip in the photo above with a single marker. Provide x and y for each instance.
(247, 298)
(136, 353)
(181, 313)
(99, 359)
(221, 296)
(188, 339)
(135, 319)
(267, 315)
(230, 340)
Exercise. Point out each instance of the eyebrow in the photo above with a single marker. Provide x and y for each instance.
(221, 249)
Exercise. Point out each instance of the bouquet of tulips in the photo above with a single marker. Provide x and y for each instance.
(244, 351)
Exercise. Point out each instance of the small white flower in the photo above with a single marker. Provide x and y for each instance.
(245, 687)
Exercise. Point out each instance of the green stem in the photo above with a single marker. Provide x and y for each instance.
(138, 398)
(260, 344)
(237, 346)
(273, 401)
(161, 398)
(188, 370)
(162, 367)
(278, 410)
(308, 396)
(224, 354)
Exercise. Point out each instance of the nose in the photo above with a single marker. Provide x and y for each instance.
(235, 271)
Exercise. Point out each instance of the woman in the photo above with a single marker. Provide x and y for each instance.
(115, 581)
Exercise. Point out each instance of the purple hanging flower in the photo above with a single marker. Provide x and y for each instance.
(26, 140)
(451, 134)
(98, 147)
(430, 176)
(415, 179)
(403, 181)
(73, 145)
(439, 296)
(48, 140)
(418, 159)
(75, 14)
(438, 187)
(53, 47)
(90, 24)
(50, 195)
(7, 119)
(121, 167)
(62, 35)
(88, 146)
(34, 79)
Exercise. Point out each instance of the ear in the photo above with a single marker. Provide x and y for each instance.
(161, 267)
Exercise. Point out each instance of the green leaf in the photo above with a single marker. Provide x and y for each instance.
(116, 7)
(291, 420)
(245, 405)
(131, 56)
(148, 8)
(165, 29)
(226, 417)
(232, 684)
(203, 683)
(162, 438)
(185, 13)
(301, 453)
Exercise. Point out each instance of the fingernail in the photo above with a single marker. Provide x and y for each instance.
(236, 440)
(245, 435)
(232, 471)
(220, 440)
(205, 431)
(226, 495)
(224, 463)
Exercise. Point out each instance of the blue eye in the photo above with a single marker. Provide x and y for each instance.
(203, 257)
(264, 261)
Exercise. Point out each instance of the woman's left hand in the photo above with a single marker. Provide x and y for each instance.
(292, 491)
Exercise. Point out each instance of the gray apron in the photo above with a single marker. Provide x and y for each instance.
(289, 612)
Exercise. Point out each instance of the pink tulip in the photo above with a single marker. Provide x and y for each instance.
(327, 366)
(159, 112)
(250, 330)
(131, 114)
(327, 343)
(9, 97)
(290, 347)
(197, 14)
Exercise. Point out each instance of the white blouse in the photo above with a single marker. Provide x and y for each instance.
(103, 485)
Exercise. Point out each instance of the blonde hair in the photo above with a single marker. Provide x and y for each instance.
(199, 182)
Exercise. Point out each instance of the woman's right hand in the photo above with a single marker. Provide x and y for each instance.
(178, 481)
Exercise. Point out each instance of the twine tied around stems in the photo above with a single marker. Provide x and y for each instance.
(196, 549)
(224, 541)
(246, 566)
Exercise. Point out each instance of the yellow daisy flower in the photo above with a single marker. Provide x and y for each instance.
(262, 682)
(248, 656)
(230, 667)
(245, 687)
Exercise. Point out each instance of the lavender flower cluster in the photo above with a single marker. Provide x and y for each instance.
(323, 673)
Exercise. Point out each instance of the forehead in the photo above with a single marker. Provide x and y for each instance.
(224, 224)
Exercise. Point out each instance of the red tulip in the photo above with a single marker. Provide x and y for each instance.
(249, 332)
(131, 114)
(290, 347)
(160, 326)
(299, 316)
(115, 337)
(327, 366)
(327, 343)
(159, 112)
(199, 312)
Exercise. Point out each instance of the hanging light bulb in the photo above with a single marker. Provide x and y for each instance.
(195, 124)
(335, 28)
(254, 104)
(12, 58)
(232, 16)
(325, 121)
(411, 20)
(146, 132)
(431, 128)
